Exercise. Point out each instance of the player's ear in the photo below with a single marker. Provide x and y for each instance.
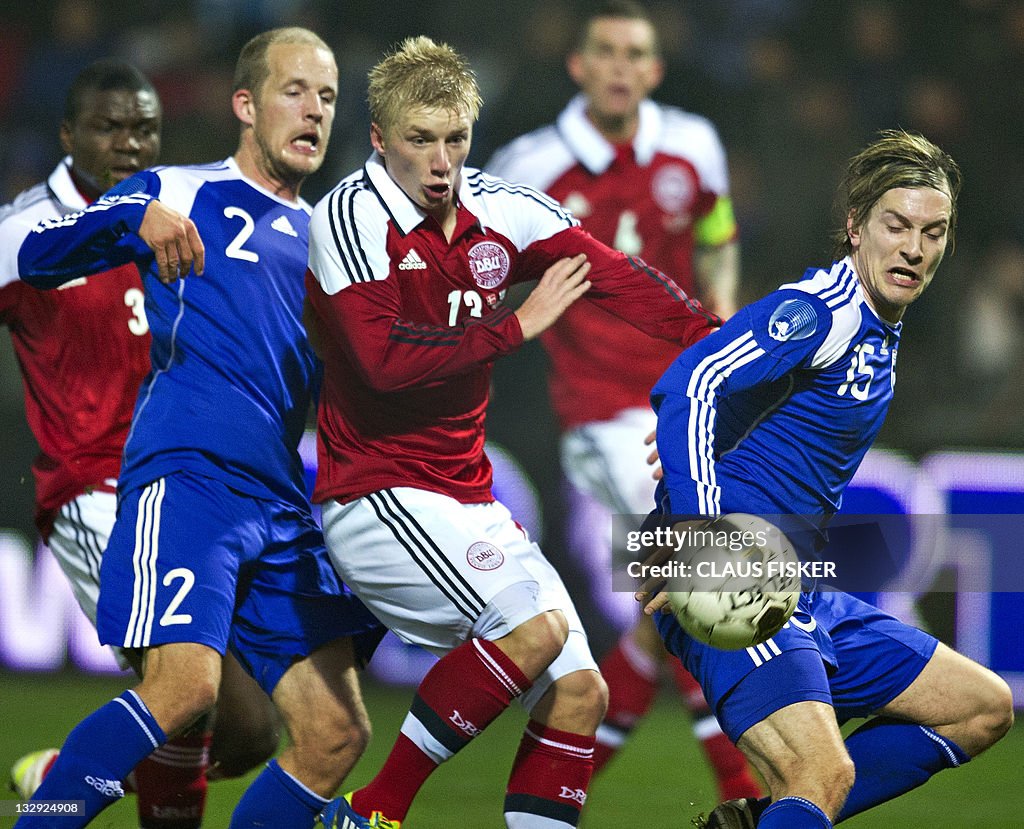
(657, 74)
(853, 229)
(574, 66)
(67, 143)
(377, 138)
(243, 103)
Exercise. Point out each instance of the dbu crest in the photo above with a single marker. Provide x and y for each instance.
(489, 263)
(483, 555)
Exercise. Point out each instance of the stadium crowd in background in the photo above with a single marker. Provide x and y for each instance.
(650, 181)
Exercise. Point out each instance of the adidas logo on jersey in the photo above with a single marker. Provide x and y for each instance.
(412, 262)
(282, 225)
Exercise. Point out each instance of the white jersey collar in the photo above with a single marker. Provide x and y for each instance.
(63, 186)
(592, 149)
(404, 211)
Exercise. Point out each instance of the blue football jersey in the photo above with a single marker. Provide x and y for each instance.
(774, 412)
(232, 371)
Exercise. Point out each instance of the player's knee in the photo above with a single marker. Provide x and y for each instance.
(575, 702)
(180, 684)
(334, 742)
(201, 697)
(535, 643)
(177, 706)
(359, 732)
(996, 716)
(844, 775)
(835, 784)
(349, 737)
(587, 693)
(985, 712)
(548, 631)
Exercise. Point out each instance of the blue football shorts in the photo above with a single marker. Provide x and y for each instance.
(192, 560)
(835, 649)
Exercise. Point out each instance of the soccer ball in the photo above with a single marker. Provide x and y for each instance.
(740, 582)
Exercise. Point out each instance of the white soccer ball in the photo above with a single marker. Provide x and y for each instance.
(740, 582)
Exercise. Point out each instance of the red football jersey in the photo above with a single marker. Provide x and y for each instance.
(411, 324)
(83, 351)
(642, 198)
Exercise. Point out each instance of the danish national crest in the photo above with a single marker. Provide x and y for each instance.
(489, 263)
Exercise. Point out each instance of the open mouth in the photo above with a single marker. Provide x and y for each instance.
(904, 277)
(439, 190)
(307, 142)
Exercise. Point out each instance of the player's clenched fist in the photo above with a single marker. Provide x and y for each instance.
(562, 284)
(174, 240)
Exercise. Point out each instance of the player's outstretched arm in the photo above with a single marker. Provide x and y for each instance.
(562, 284)
(125, 225)
(629, 288)
(174, 240)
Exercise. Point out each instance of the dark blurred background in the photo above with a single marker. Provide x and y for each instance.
(794, 86)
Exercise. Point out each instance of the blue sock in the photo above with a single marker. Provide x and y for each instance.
(893, 757)
(277, 799)
(98, 754)
(793, 813)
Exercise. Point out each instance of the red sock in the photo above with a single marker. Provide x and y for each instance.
(549, 777)
(732, 774)
(632, 678)
(171, 784)
(458, 698)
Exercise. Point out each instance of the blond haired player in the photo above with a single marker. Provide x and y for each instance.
(410, 259)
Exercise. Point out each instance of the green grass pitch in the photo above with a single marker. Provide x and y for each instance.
(658, 782)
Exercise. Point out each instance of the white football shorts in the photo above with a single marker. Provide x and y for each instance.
(438, 572)
(608, 461)
(605, 465)
(80, 534)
